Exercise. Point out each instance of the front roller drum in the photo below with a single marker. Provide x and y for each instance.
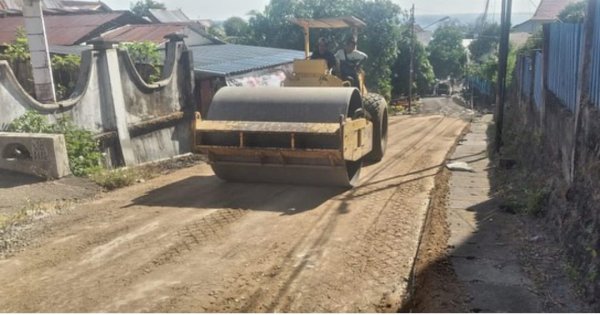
(312, 157)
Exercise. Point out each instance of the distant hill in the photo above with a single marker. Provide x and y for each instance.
(517, 18)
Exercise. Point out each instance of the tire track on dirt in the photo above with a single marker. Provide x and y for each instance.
(283, 277)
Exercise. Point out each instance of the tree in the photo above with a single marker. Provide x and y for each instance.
(446, 52)
(573, 13)
(272, 28)
(486, 42)
(236, 27)
(236, 30)
(424, 76)
(142, 7)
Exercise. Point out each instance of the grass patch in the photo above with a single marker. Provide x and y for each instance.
(120, 178)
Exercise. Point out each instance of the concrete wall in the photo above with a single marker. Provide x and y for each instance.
(136, 122)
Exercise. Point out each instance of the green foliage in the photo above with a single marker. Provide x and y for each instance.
(66, 63)
(535, 42)
(65, 70)
(378, 39)
(142, 7)
(217, 31)
(424, 76)
(486, 42)
(19, 49)
(536, 201)
(115, 179)
(82, 149)
(236, 30)
(145, 53)
(30, 122)
(446, 53)
(573, 13)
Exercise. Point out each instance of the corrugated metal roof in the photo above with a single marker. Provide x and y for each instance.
(136, 33)
(54, 6)
(85, 5)
(17, 5)
(68, 50)
(168, 16)
(548, 10)
(68, 29)
(231, 59)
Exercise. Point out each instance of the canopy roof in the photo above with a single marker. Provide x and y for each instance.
(341, 22)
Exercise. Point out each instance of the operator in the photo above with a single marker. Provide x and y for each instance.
(350, 60)
(322, 52)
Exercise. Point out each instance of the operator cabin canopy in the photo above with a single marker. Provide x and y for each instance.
(329, 23)
(343, 22)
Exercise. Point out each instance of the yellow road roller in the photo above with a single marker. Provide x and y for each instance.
(315, 130)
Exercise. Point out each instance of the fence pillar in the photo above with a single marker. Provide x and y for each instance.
(112, 97)
(38, 46)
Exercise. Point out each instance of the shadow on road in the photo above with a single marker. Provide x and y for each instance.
(10, 179)
(209, 192)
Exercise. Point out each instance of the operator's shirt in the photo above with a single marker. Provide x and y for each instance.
(354, 56)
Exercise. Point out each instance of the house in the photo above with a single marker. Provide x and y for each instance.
(70, 29)
(167, 16)
(547, 12)
(176, 16)
(195, 34)
(216, 66)
(14, 7)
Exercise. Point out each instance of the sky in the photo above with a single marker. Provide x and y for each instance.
(222, 9)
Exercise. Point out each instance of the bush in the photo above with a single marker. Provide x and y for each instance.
(145, 54)
(65, 70)
(115, 179)
(82, 149)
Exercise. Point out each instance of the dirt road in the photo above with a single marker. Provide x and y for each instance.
(189, 242)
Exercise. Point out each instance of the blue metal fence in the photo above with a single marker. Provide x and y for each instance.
(565, 44)
(538, 81)
(594, 80)
(483, 86)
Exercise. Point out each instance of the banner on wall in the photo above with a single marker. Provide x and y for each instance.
(273, 77)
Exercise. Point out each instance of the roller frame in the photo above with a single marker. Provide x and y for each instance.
(355, 138)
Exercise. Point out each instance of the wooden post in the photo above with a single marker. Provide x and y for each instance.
(502, 70)
(412, 59)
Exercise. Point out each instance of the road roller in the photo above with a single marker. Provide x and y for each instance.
(314, 130)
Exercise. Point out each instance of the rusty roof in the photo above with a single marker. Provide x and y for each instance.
(71, 29)
(137, 33)
(548, 10)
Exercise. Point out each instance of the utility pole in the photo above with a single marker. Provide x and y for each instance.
(502, 70)
(412, 59)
